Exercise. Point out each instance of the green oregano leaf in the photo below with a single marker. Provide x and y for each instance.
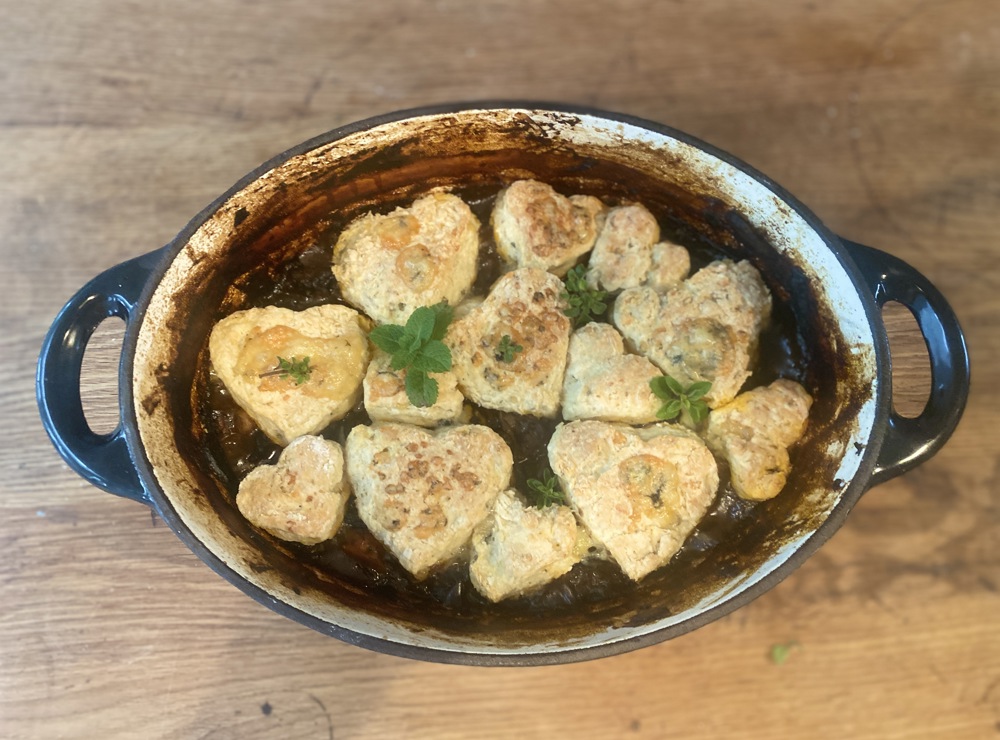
(433, 357)
(669, 410)
(698, 412)
(697, 390)
(780, 652)
(673, 385)
(677, 399)
(387, 337)
(421, 389)
(417, 348)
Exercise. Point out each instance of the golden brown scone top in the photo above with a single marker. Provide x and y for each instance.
(640, 492)
(753, 433)
(519, 548)
(524, 305)
(604, 382)
(421, 493)
(534, 226)
(388, 265)
(628, 253)
(386, 399)
(302, 498)
(245, 348)
(704, 329)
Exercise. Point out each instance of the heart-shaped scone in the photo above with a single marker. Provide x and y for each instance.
(422, 493)
(604, 382)
(388, 265)
(519, 548)
(704, 329)
(628, 253)
(534, 226)
(754, 431)
(509, 352)
(302, 498)
(639, 492)
(294, 372)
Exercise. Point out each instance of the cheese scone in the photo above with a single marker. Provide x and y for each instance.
(704, 329)
(293, 372)
(534, 226)
(302, 498)
(753, 433)
(386, 399)
(388, 265)
(519, 548)
(422, 492)
(640, 492)
(604, 382)
(509, 352)
(628, 253)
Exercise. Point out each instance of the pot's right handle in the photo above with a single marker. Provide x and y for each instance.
(102, 459)
(908, 442)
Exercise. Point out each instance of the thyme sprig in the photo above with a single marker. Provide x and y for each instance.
(507, 349)
(547, 490)
(298, 370)
(583, 303)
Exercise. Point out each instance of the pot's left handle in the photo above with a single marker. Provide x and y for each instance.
(102, 459)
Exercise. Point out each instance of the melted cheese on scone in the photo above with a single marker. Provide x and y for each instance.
(302, 498)
(753, 433)
(519, 548)
(388, 265)
(422, 493)
(534, 226)
(525, 306)
(604, 382)
(640, 492)
(704, 329)
(247, 346)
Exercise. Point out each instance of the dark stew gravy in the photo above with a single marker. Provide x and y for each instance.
(234, 446)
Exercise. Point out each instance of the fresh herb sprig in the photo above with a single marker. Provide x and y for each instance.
(678, 399)
(507, 349)
(297, 370)
(780, 652)
(583, 302)
(547, 490)
(417, 348)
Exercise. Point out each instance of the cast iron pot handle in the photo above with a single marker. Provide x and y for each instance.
(102, 459)
(908, 442)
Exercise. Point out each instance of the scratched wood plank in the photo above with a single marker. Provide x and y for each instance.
(119, 122)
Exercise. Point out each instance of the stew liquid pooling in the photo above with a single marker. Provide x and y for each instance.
(354, 561)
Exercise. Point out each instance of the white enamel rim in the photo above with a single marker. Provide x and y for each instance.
(788, 226)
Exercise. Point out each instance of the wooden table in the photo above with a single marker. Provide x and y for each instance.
(120, 121)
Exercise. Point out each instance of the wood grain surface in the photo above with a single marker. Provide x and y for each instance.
(119, 121)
